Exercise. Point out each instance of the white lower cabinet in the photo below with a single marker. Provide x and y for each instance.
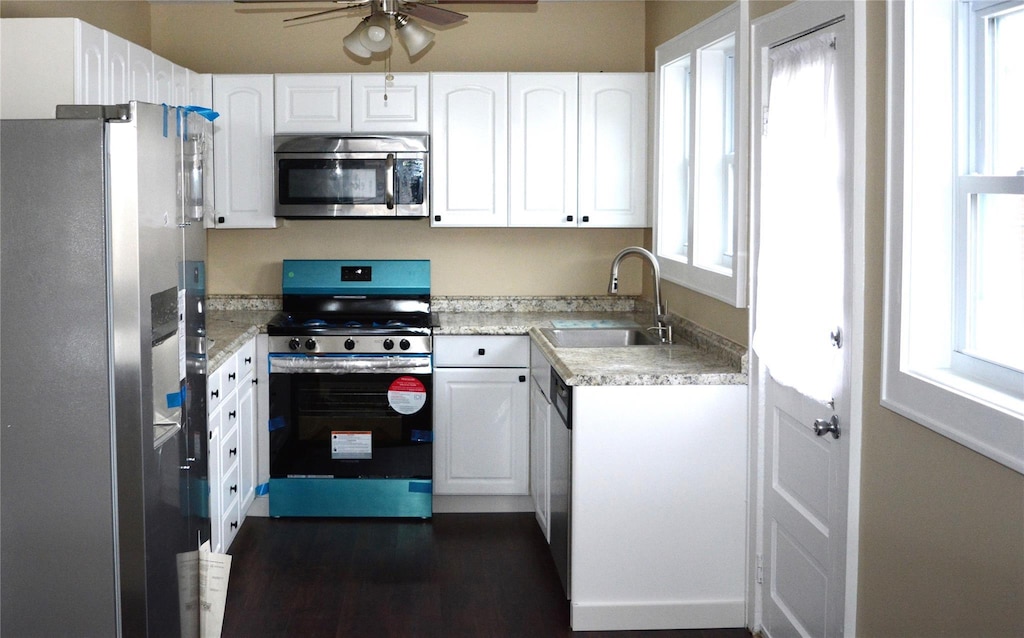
(232, 451)
(481, 415)
(540, 458)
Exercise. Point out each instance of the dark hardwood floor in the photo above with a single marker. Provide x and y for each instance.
(459, 575)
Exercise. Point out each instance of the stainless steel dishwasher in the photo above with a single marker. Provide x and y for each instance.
(561, 479)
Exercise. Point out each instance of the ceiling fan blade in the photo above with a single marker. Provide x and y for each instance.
(485, 1)
(320, 13)
(432, 14)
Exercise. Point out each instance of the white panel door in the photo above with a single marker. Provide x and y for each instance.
(481, 431)
(613, 150)
(313, 103)
(397, 105)
(243, 151)
(91, 62)
(119, 82)
(543, 140)
(806, 516)
(469, 134)
(143, 84)
(163, 80)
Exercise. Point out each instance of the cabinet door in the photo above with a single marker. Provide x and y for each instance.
(200, 89)
(469, 131)
(243, 151)
(540, 470)
(141, 80)
(179, 86)
(542, 149)
(91, 59)
(613, 150)
(247, 462)
(119, 81)
(215, 474)
(481, 431)
(313, 103)
(163, 80)
(399, 105)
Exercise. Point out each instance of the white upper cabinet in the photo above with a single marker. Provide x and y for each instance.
(398, 105)
(163, 80)
(312, 103)
(141, 78)
(543, 137)
(243, 158)
(200, 89)
(469, 155)
(92, 65)
(119, 81)
(613, 150)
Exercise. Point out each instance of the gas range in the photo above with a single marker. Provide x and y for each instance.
(369, 307)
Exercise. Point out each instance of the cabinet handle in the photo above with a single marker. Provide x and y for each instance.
(234, 525)
(232, 414)
(233, 451)
(481, 352)
(231, 376)
(214, 394)
(248, 360)
(254, 381)
(522, 378)
(234, 488)
(389, 181)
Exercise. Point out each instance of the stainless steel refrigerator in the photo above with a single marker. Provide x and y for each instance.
(103, 438)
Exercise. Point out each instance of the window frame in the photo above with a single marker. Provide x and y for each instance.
(686, 265)
(922, 322)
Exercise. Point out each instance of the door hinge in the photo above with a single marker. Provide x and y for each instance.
(760, 569)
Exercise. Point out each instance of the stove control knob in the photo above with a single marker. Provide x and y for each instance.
(404, 344)
(350, 344)
(388, 344)
(294, 344)
(310, 344)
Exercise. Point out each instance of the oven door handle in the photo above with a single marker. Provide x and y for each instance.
(304, 364)
(389, 181)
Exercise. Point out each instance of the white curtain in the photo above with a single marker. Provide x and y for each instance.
(799, 295)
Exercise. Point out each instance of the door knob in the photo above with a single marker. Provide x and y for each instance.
(823, 427)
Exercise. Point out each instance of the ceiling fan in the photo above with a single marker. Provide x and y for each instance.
(373, 34)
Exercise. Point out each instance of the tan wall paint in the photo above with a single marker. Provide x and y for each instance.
(942, 528)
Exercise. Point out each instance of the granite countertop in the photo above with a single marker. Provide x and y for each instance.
(698, 356)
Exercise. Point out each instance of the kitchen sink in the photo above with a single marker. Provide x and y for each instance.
(597, 337)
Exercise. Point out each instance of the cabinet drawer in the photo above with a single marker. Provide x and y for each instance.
(229, 488)
(229, 524)
(454, 351)
(246, 359)
(228, 439)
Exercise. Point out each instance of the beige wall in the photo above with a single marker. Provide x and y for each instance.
(942, 528)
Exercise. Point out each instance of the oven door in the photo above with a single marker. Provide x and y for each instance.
(350, 417)
(351, 185)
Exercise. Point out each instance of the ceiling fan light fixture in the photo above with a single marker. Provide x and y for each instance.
(412, 35)
(352, 43)
(376, 36)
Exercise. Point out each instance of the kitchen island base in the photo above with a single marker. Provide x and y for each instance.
(659, 491)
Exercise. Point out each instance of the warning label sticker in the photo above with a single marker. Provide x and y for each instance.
(351, 445)
(407, 395)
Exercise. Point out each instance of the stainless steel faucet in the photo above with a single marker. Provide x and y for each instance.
(658, 320)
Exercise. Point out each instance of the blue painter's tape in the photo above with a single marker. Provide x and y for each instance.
(209, 114)
(263, 489)
(420, 487)
(276, 423)
(422, 436)
(173, 400)
(165, 120)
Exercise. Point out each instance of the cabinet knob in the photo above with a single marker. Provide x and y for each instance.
(233, 451)
(231, 376)
(248, 360)
(586, 218)
(481, 352)
(234, 488)
(568, 218)
(232, 414)
(437, 218)
(234, 525)
(215, 393)
(522, 378)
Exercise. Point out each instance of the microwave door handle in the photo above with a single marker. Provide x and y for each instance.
(389, 181)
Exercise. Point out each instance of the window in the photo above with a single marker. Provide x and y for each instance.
(954, 344)
(700, 225)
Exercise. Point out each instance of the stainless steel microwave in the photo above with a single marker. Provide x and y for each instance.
(351, 176)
